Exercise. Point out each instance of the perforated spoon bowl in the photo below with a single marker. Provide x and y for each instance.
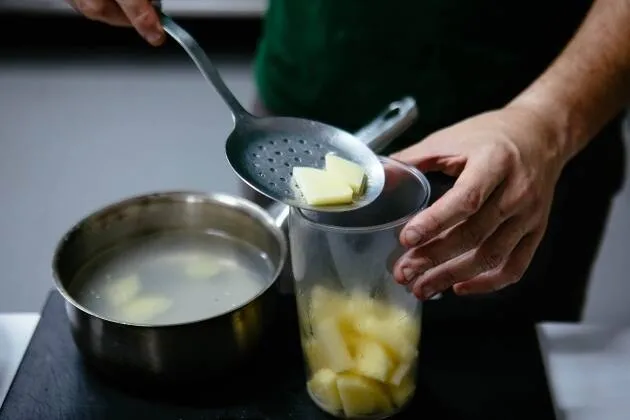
(263, 151)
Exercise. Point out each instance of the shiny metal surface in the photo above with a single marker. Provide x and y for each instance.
(173, 353)
(263, 151)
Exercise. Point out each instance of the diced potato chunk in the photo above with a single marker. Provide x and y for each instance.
(362, 396)
(401, 372)
(145, 308)
(350, 172)
(333, 345)
(323, 386)
(314, 355)
(368, 345)
(122, 290)
(393, 338)
(372, 360)
(403, 392)
(325, 304)
(321, 188)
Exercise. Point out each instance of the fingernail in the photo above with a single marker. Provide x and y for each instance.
(408, 273)
(412, 237)
(154, 37)
(428, 292)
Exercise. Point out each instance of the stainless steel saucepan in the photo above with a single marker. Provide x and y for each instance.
(195, 351)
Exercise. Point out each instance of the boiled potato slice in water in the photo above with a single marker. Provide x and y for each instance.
(362, 353)
(348, 171)
(122, 290)
(321, 188)
(202, 267)
(145, 308)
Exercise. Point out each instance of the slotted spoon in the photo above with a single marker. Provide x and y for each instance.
(263, 151)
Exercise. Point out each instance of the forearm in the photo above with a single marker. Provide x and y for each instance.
(589, 83)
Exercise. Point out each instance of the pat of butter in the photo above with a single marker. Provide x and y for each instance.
(350, 172)
(321, 188)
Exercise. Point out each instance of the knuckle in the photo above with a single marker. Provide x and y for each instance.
(471, 236)
(142, 18)
(434, 223)
(139, 13)
(447, 279)
(472, 201)
(489, 260)
(92, 9)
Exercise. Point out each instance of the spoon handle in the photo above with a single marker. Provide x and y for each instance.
(203, 63)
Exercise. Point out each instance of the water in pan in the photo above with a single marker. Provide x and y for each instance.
(172, 278)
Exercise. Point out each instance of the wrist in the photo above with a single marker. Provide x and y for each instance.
(553, 119)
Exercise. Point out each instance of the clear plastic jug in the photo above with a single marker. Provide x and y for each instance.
(360, 330)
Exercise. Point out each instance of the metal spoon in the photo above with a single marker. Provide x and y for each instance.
(263, 151)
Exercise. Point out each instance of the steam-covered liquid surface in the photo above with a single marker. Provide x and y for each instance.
(172, 278)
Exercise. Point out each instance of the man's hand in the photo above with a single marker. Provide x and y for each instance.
(137, 13)
(482, 234)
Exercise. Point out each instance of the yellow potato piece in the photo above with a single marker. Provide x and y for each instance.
(402, 371)
(321, 188)
(361, 396)
(202, 268)
(122, 290)
(403, 392)
(396, 340)
(372, 360)
(333, 345)
(313, 354)
(323, 387)
(144, 309)
(325, 303)
(348, 171)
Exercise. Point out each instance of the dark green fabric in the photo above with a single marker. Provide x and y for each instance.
(341, 61)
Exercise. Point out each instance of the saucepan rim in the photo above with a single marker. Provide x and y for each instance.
(176, 196)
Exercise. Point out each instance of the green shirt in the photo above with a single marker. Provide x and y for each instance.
(342, 61)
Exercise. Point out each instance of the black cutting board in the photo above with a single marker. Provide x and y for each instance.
(479, 371)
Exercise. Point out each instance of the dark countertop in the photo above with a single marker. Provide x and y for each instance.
(484, 371)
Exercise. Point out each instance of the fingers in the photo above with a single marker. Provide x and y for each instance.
(458, 240)
(137, 13)
(106, 11)
(469, 193)
(492, 254)
(144, 18)
(507, 274)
